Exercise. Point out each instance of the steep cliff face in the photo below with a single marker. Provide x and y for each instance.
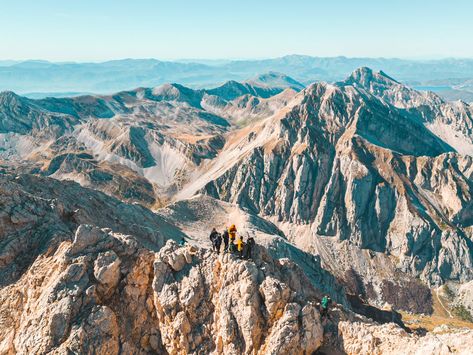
(451, 121)
(308, 142)
(91, 280)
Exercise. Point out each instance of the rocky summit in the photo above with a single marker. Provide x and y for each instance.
(359, 190)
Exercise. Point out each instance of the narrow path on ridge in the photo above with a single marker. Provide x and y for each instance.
(441, 303)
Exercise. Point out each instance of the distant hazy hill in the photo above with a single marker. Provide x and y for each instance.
(59, 78)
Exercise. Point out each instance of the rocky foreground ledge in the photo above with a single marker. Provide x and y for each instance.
(104, 293)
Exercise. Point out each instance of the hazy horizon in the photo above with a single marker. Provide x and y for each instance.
(229, 59)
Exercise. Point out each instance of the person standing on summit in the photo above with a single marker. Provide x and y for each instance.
(240, 245)
(213, 239)
(232, 232)
(232, 236)
(225, 237)
(218, 243)
(249, 248)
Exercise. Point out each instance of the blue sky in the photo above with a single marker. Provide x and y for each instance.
(95, 30)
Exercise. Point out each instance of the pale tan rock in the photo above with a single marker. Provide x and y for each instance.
(251, 313)
(362, 338)
(56, 307)
(208, 304)
(107, 269)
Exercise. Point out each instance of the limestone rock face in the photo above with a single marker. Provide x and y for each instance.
(357, 183)
(230, 306)
(107, 269)
(91, 295)
(37, 214)
(103, 292)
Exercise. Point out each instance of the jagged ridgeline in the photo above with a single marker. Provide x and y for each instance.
(359, 189)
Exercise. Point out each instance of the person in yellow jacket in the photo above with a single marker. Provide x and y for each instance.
(232, 231)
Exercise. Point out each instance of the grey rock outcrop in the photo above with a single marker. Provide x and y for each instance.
(71, 300)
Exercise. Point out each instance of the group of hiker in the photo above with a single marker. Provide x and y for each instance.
(236, 245)
(232, 243)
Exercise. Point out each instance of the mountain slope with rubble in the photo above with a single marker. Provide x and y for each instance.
(121, 289)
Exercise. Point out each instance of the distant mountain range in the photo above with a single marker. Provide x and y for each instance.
(452, 77)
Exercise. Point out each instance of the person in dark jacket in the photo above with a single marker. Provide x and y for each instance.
(225, 237)
(213, 239)
(218, 243)
(250, 244)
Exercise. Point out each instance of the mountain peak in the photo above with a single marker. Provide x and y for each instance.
(8, 94)
(176, 92)
(275, 80)
(263, 85)
(10, 98)
(366, 77)
(363, 71)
